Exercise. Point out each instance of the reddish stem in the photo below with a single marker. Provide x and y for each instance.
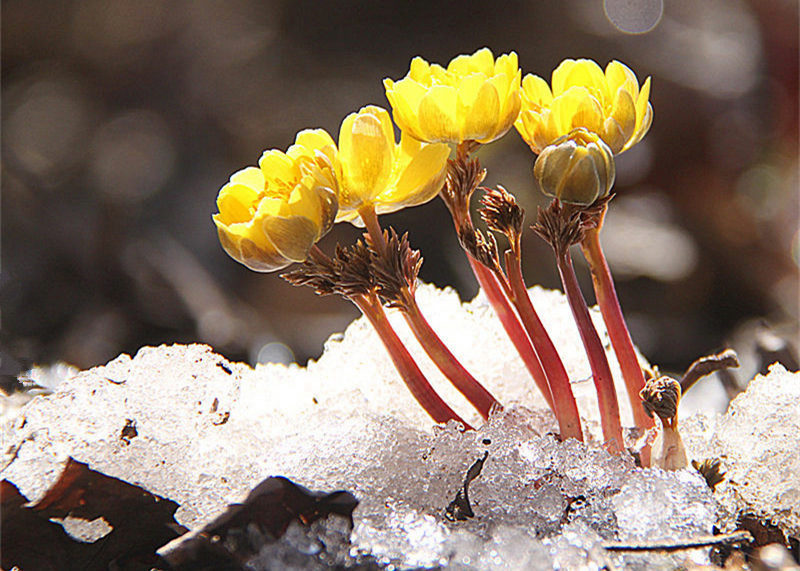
(508, 318)
(417, 383)
(606, 295)
(566, 409)
(475, 392)
(444, 359)
(601, 372)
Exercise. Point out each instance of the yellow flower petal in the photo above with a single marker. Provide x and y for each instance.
(576, 108)
(250, 176)
(310, 141)
(442, 106)
(420, 181)
(535, 91)
(236, 203)
(508, 65)
(405, 96)
(624, 113)
(558, 81)
(642, 105)
(279, 171)
(272, 206)
(365, 154)
(582, 184)
(608, 103)
(614, 135)
(291, 237)
(478, 117)
(530, 127)
(619, 75)
(272, 215)
(258, 258)
(584, 73)
(438, 114)
(420, 70)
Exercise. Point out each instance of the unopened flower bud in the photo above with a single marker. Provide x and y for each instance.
(577, 168)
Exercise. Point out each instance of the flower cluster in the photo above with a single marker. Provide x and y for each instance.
(274, 215)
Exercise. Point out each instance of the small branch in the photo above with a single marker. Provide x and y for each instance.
(706, 365)
(460, 508)
(678, 545)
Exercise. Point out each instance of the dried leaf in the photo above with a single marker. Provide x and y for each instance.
(460, 509)
(141, 521)
(243, 529)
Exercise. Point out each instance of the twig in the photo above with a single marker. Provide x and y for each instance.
(677, 545)
(707, 365)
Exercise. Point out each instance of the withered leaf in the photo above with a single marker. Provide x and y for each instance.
(460, 508)
(238, 534)
(141, 522)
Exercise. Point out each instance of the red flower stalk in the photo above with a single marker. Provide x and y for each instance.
(348, 274)
(463, 177)
(414, 378)
(395, 269)
(607, 299)
(502, 215)
(561, 228)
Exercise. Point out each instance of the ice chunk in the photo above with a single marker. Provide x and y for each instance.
(207, 431)
(757, 439)
(658, 505)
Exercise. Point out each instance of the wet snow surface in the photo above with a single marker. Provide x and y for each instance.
(207, 431)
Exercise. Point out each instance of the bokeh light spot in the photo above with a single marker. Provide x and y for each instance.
(275, 352)
(634, 16)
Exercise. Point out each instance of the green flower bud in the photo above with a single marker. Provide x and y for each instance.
(577, 168)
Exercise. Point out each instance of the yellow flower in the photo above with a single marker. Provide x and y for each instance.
(272, 215)
(373, 170)
(475, 98)
(610, 104)
(577, 168)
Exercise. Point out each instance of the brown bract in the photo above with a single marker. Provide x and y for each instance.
(347, 273)
(559, 225)
(395, 271)
(502, 214)
(482, 247)
(464, 175)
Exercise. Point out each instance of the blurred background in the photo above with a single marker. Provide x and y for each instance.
(121, 119)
